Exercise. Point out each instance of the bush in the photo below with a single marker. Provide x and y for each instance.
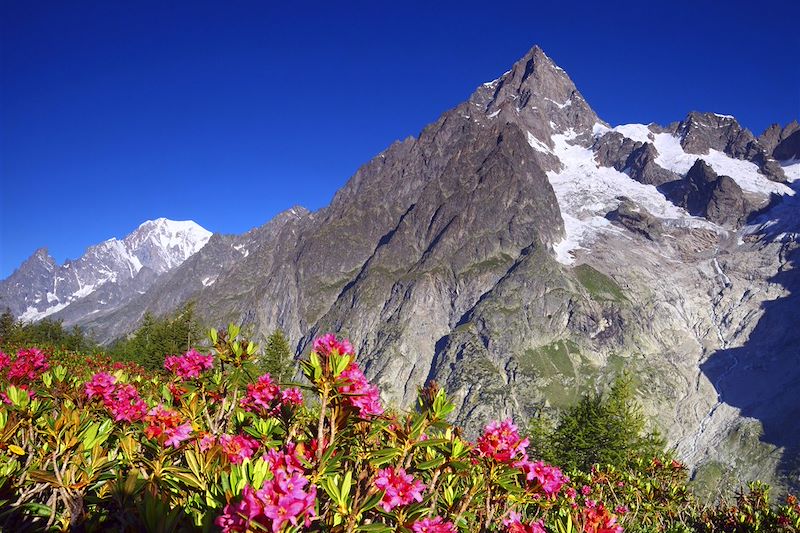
(214, 446)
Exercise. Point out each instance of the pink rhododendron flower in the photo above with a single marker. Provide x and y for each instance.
(549, 477)
(206, 441)
(101, 386)
(293, 397)
(124, 404)
(501, 441)
(399, 488)
(514, 524)
(29, 365)
(189, 365)
(328, 343)
(433, 525)
(597, 519)
(284, 499)
(166, 424)
(287, 459)
(238, 448)
(359, 393)
(260, 396)
(237, 516)
(121, 400)
(5, 360)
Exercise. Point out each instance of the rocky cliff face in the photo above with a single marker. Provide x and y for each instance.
(521, 251)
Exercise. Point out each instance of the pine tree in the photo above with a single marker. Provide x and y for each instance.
(8, 326)
(601, 429)
(278, 359)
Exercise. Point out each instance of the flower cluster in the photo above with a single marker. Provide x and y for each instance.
(29, 365)
(165, 425)
(189, 365)
(433, 525)
(5, 360)
(597, 519)
(328, 343)
(283, 499)
(399, 488)
(122, 401)
(501, 441)
(266, 398)
(238, 447)
(360, 393)
(550, 478)
(514, 524)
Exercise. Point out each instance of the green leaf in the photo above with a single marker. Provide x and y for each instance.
(433, 463)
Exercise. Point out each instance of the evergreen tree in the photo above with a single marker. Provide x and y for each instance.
(605, 429)
(158, 337)
(8, 326)
(278, 358)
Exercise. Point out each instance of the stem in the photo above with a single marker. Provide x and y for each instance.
(321, 425)
(435, 500)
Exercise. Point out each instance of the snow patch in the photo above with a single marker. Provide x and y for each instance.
(494, 113)
(792, 169)
(209, 280)
(32, 314)
(587, 191)
(672, 157)
(538, 145)
(560, 106)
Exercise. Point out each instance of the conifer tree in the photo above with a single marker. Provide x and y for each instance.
(278, 358)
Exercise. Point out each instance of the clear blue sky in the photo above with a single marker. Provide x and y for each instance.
(227, 113)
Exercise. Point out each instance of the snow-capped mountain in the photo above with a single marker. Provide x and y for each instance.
(39, 287)
(519, 251)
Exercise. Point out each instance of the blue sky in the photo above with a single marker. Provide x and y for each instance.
(226, 113)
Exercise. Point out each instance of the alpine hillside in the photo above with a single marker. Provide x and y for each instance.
(519, 251)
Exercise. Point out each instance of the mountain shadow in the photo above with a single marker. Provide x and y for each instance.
(762, 377)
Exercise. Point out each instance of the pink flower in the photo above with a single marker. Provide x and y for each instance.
(125, 404)
(238, 448)
(328, 343)
(189, 365)
(286, 460)
(359, 393)
(206, 441)
(597, 519)
(29, 365)
(399, 488)
(292, 397)
(5, 360)
(286, 498)
(550, 478)
(433, 525)
(177, 435)
(101, 386)
(514, 524)
(501, 441)
(261, 396)
(237, 516)
(586, 490)
(122, 401)
(165, 424)
(621, 510)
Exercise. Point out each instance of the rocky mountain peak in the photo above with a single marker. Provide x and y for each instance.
(539, 96)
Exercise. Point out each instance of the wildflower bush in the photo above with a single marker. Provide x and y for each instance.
(211, 445)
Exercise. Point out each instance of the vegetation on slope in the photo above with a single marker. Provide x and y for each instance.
(204, 444)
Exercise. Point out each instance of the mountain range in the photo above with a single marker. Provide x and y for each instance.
(519, 251)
